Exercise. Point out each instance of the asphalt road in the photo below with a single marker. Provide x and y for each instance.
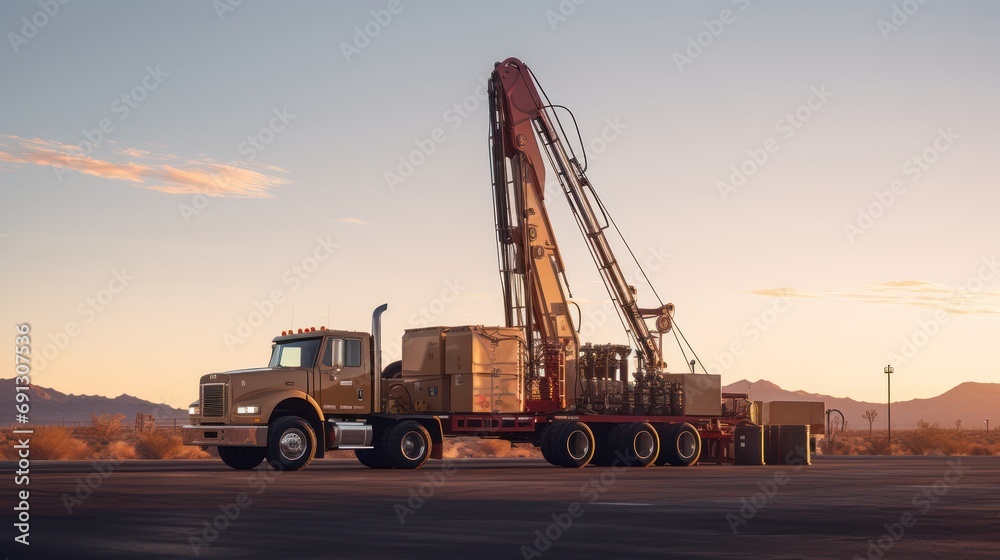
(872, 507)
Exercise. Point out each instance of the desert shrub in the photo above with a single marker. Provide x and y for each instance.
(876, 444)
(118, 450)
(106, 427)
(931, 439)
(57, 442)
(157, 444)
(466, 447)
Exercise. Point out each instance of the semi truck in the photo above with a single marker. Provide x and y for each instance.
(528, 380)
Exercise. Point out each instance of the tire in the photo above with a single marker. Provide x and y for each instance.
(573, 444)
(393, 370)
(373, 458)
(407, 445)
(291, 444)
(636, 444)
(241, 458)
(545, 442)
(605, 446)
(681, 445)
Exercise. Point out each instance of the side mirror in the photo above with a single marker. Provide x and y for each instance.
(337, 353)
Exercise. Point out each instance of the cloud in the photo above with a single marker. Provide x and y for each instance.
(352, 221)
(910, 293)
(145, 169)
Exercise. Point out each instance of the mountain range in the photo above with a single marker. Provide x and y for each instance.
(48, 406)
(972, 403)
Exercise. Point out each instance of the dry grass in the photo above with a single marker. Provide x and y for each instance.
(926, 439)
(106, 439)
(165, 444)
(56, 442)
(464, 447)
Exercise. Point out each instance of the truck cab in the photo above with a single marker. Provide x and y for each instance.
(320, 391)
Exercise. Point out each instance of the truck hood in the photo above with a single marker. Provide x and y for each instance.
(225, 377)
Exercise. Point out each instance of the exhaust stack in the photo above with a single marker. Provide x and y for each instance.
(377, 357)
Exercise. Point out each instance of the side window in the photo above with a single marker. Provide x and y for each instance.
(352, 353)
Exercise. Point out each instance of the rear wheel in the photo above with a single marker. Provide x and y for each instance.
(604, 446)
(571, 444)
(373, 458)
(291, 444)
(681, 446)
(407, 445)
(393, 370)
(544, 441)
(637, 444)
(241, 458)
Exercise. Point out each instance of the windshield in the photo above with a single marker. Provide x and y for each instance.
(295, 353)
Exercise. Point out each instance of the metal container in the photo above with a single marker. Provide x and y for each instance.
(485, 392)
(748, 445)
(478, 349)
(794, 445)
(701, 393)
(423, 352)
(772, 445)
(796, 413)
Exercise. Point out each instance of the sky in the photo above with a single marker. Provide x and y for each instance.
(809, 183)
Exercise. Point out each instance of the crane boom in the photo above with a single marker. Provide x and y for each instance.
(530, 262)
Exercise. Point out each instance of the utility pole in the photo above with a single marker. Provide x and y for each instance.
(888, 403)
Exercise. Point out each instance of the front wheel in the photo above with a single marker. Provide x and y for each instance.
(291, 444)
(241, 458)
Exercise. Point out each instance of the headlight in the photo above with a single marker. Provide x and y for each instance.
(248, 409)
(194, 410)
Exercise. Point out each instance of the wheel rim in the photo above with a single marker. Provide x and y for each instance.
(292, 444)
(578, 445)
(687, 445)
(643, 445)
(413, 446)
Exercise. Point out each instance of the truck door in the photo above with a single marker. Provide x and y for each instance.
(344, 388)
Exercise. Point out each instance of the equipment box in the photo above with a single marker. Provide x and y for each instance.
(702, 393)
(485, 392)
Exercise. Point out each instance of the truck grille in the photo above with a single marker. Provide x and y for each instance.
(213, 400)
